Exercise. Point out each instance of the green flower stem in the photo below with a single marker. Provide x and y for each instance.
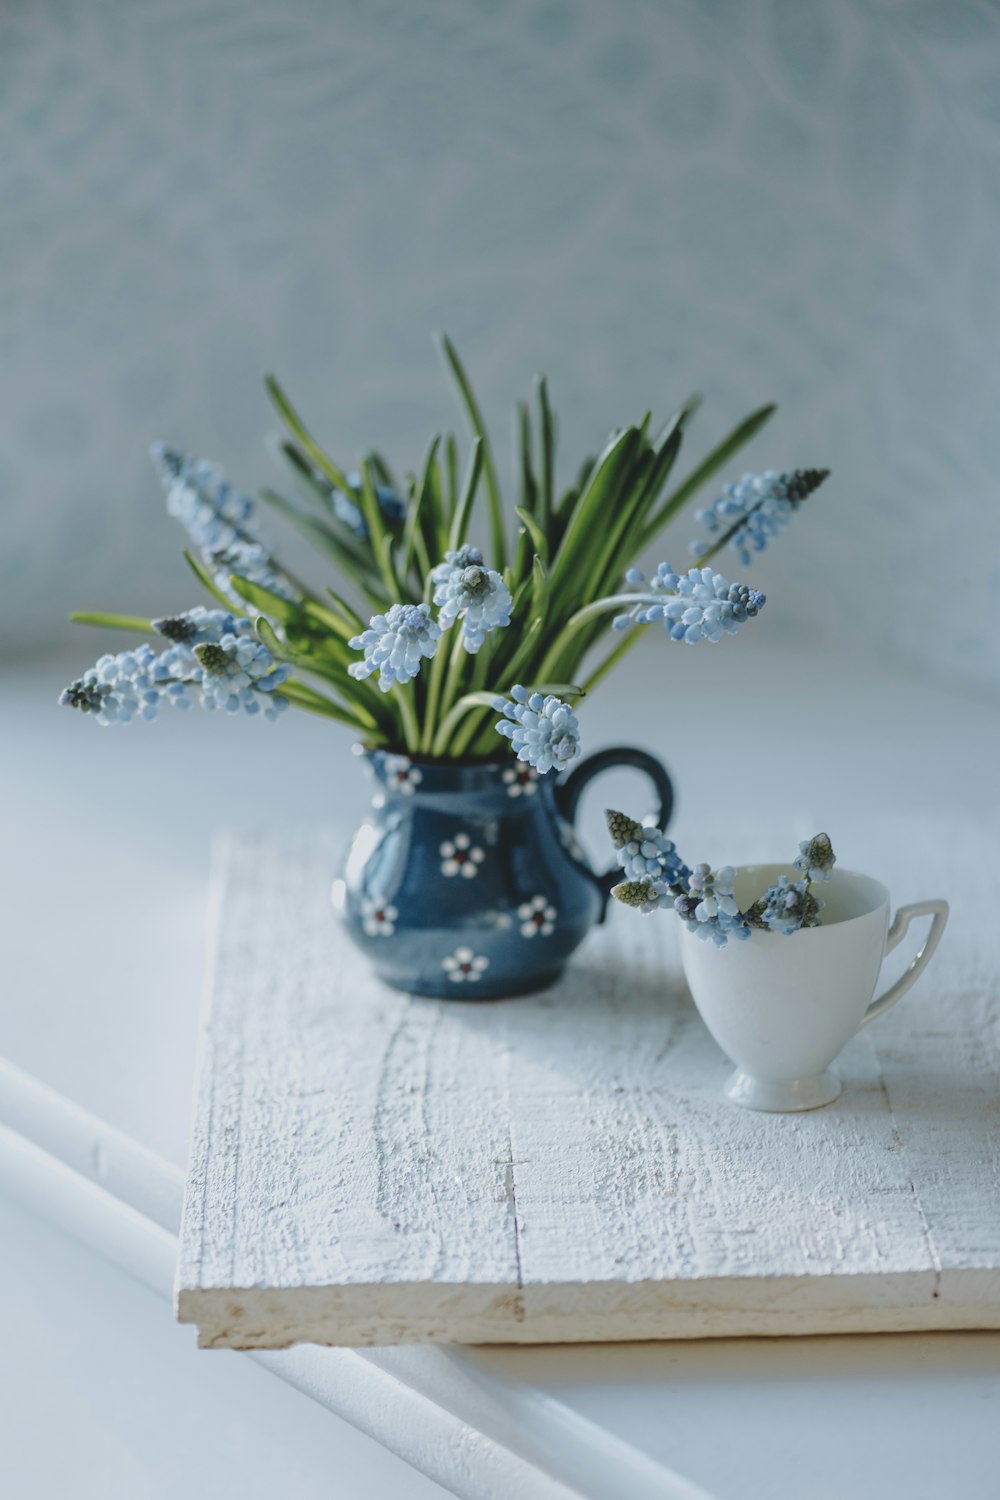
(612, 659)
(565, 639)
(207, 582)
(468, 732)
(411, 731)
(454, 717)
(456, 662)
(438, 666)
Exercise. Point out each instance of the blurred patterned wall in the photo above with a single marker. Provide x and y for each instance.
(797, 199)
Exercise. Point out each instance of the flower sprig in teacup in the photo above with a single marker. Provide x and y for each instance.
(656, 878)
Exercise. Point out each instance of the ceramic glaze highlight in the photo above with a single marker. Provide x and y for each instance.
(467, 882)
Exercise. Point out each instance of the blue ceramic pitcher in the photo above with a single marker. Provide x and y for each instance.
(468, 882)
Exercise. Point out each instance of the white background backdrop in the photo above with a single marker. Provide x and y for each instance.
(787, 199)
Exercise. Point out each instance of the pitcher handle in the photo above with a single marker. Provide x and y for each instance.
(938, 911)
(568, 795)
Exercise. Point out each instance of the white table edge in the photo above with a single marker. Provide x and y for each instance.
(95, 1183)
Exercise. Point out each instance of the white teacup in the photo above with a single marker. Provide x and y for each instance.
(783, 1007)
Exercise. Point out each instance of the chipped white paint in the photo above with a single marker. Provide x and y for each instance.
(369, 1168)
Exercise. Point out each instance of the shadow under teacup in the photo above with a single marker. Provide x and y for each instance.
(781, 1008)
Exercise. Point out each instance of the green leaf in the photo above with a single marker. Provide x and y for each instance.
(379, 537)
(329, 621)
(317, 490)
(112, 622)
(420, 506)
(535, 531)
(451, 467)
(479, 428)
(308, 442)
(268, 636)
(539, 587)
(528, 483)
(460, 520)
(547, 456)
(591, 517)
(382, 470)
(264, 600)
(620, 547)
(337, 542)
(557, 689)
(351, 617)
(715, 460)
(301, 696)
(207, 582)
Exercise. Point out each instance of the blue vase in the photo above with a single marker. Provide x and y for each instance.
(467, 881)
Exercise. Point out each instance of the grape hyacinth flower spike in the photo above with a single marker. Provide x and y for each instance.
(395, 644)
(347, 509)
(705, 899)
(118, 688)
(816, 857)
(699, 605)
(752, 510)
(785, 907)
(467, 590)
(210, 650)
(543, 730)
(220, 521)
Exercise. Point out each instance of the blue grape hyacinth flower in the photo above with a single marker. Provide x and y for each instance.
(755, 508)
(543, 730)
(221, 522)
(348, 510)
(238, 672)
(466, 590)
(816, 857)
(699, 605)
(395, 644)
(709, 909)
(212, 511)
(117, 688)
(786, 907)
(210, 651)
(647, 857)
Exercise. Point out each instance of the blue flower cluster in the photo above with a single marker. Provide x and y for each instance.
(220, 521)
(543, 731)
(785, 907)
(705, 899)
(699, 605)
(752, 510)
(708, 907)
(653, 869)
(211, 651)
(466, 590)
(395, 643)
(347, 509)
(816, 857)
(118, 688)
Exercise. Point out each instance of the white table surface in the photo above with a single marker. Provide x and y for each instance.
(102, 899)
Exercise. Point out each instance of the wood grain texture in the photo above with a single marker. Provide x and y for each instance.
(371, 1168)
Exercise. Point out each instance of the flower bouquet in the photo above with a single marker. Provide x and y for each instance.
(436, 633)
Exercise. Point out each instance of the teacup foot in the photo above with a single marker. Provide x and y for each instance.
(780, 1096)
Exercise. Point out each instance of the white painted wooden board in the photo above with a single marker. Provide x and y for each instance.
(372, 1168)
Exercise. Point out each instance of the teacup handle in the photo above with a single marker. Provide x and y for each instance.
(938, 912)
